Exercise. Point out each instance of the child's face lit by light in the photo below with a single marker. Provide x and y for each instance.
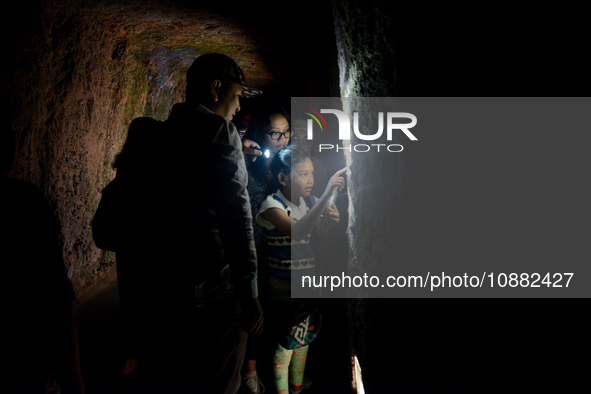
(302, 178)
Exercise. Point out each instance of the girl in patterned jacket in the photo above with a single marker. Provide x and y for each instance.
(288, 222)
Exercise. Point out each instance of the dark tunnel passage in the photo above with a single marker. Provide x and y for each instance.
(76, 73)
(81, 71)
(88, 70)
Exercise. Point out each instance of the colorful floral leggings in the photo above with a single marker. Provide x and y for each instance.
(289, 368)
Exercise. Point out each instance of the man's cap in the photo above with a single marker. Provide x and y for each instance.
(217, 66)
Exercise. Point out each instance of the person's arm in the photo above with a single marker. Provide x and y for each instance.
(235, 219)
(299, 230)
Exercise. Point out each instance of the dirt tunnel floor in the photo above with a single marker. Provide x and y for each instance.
(99, 321)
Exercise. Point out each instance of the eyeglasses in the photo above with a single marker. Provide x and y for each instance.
(276, 135)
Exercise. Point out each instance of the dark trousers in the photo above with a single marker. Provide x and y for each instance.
(204, 355)
(185, 348)
(219, 349)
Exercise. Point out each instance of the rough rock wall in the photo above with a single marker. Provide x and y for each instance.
(366, 61)
(78, 73)
(365, 44)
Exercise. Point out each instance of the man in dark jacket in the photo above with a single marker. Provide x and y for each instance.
(185, 255)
